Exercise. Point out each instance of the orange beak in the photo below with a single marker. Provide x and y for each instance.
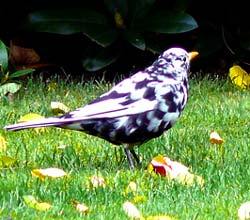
(192, 55)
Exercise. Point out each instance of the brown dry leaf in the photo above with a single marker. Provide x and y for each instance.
(244, 211)
(3, 145)
(22, 56)
(215, 138)
(48, 172)
(131, 210)
(97, 181)
(59, 108)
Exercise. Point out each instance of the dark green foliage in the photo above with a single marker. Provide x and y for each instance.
(223, 30)
(99, 33)
(115, 25)
(7, 73)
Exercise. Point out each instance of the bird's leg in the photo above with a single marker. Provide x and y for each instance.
(135, 156)
(129, 155)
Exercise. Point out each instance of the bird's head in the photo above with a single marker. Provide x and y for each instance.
(177, 61)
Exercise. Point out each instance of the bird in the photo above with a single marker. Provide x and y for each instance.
(137, 109)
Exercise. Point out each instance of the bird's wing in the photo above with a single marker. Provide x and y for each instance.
(123, 99)
(111, 109)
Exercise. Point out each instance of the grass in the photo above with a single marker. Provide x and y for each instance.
(213, 105)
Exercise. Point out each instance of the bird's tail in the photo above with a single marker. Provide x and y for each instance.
(46, 122)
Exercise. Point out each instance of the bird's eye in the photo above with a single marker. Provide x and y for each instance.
(184, 59)
(168, 60)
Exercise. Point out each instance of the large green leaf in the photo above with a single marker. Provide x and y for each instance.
(9, 88)
(19, 73)
(138, 10)
(3, 57)
(136, 39)
(102, 35)
(102, 59)
(70, 21)
(170, 23)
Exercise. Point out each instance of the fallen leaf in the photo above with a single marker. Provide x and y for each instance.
(81, 207)
(6, 161)
(189, 179)
(139, 199)
(160, 217)
(97, 181)
(244, 211)
(22, 55)
(239, 77)
(131, 210)
(131, 188)
(42, 206)
(59, 108)
(173, 170)
(3, 145)
(30, 117)
(31, 202)
(48, 172)
(9, 88)
(166, 167)
(215, 138)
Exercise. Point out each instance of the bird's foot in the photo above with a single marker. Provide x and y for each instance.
(131, 156)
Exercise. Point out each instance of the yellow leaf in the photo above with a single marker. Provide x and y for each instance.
(160, 217)
(139, 199)
(244, 211)
(31, 202)
(131, 210)
(132, 187)
(3, 145)
(6, 161)
(30, 117)
(189, 179)
(42, 206)
(215, 138)
(59, 108)
(48, 172)
(239, 76)
(97, 181)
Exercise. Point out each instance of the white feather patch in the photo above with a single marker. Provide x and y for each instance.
(113, 108)
(154, 124)
(121, 121)
(171, 116)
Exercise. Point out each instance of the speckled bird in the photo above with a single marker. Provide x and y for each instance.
(134, 111)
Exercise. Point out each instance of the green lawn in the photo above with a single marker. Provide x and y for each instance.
(213, 105)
